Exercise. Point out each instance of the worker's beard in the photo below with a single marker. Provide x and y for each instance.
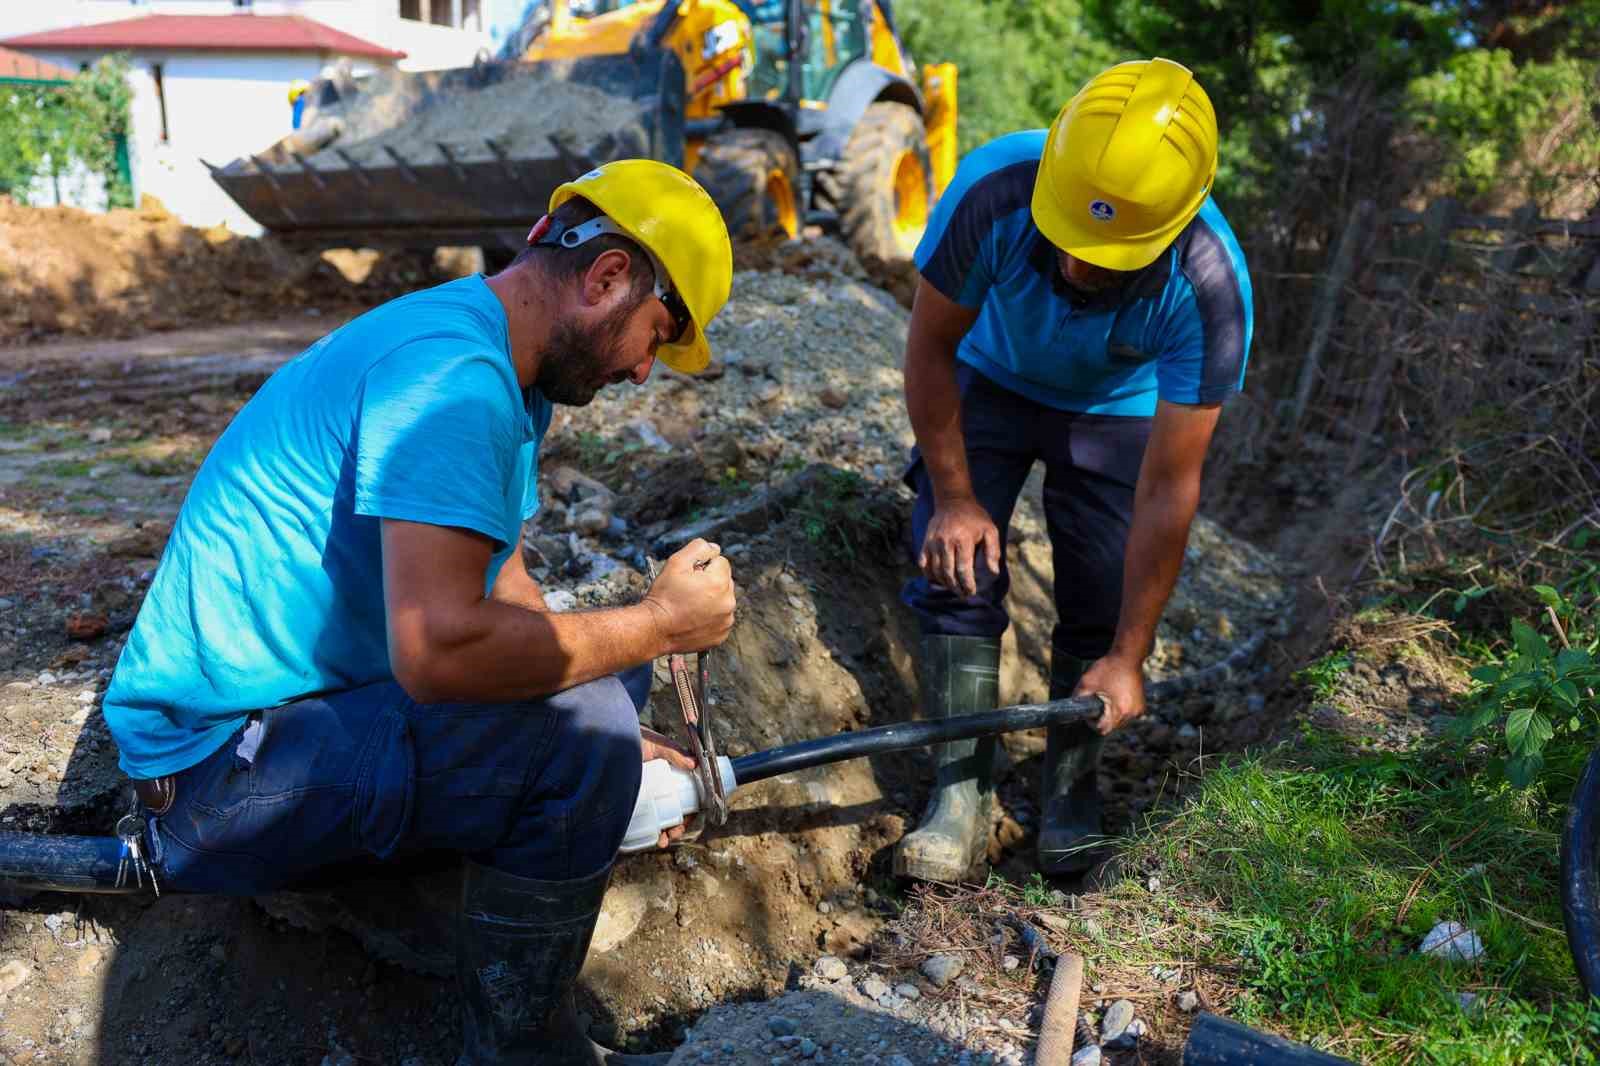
(572, 366)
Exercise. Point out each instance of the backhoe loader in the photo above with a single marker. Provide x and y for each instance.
(790, 113)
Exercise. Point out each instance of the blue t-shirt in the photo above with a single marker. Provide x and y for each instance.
(1180, 330)
(271, 585)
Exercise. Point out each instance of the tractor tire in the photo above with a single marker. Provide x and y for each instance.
(753, 177)
(882, 187)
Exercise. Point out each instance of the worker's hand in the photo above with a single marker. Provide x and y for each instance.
(692, 598)
(653, 745)
(961, 531)
(1119, 681)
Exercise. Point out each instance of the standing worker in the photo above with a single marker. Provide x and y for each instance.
(1082, 302)
(297, 101)
(342, 656)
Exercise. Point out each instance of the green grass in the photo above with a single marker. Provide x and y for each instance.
(1322, 677)
(1323, 870)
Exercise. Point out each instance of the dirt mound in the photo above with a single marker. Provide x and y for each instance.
(66, 271)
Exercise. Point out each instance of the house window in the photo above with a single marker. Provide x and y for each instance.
(472, 14)
(243, 3)
(439, 12)
(411, 9)
(161, 99)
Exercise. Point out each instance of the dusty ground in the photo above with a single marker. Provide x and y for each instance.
(97, 442)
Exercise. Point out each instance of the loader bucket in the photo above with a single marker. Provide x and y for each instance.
(464, 156)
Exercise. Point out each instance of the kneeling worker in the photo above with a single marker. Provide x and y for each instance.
(342, 656)
(1083, 303)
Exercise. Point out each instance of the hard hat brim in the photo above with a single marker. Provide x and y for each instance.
(691, 357)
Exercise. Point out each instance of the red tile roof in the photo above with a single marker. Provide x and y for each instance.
(17, 65)
(233, 33)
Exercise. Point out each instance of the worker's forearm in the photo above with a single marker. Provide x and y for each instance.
(933, 400)
(1162, 515)
(495, 651)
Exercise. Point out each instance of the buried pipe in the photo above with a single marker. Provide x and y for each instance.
(667, 796)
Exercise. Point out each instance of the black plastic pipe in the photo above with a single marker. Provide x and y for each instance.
(1580, 875)
(43, 863)
(900, 736)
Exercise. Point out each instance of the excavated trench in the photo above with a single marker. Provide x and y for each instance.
(807, 393)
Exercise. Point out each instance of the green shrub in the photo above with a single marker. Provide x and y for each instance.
(1533, 692)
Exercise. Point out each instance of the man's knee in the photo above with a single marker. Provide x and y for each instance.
(600, 731)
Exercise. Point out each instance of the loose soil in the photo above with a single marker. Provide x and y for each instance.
(128, 272)
(97, 444)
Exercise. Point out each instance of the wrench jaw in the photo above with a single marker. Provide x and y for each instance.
(691, 685)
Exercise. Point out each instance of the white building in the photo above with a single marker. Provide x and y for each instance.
(210, 78)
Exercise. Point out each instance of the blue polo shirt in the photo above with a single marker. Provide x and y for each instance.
(1179, 331)
(271, 585)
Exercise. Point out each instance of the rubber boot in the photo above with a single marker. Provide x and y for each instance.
(519, 948)
(1069, 792)
(960, 675)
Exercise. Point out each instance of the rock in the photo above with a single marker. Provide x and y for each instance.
(591, 521)
(13, 975)
(1128, 1039)
(1187, 731)
(942, 969)
(778, 1025)
(874, 987)
(649, 435)
(1452, 940)
(1467, 1000)
(87, 626)
(1009, 963)
(808, 1048)
(1188, 1001)
(830, 968)
(908, 991)
(1117, 1018)
(560, 600)
(1086, 1056)
(824, 907)
(832, 397)
(899, 1060)
(89, 961)
(45, 678)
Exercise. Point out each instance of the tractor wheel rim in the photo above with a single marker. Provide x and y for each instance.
(910, 200)
(780, 193)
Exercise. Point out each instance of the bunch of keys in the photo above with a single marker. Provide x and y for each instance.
(130, 830)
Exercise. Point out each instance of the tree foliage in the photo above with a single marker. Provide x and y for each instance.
(46, 128)
(1529, 125)
(1019, 61)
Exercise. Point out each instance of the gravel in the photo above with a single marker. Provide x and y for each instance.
(942, 969)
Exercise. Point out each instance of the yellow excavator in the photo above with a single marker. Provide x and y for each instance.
(790, 113)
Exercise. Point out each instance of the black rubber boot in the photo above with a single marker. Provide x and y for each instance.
(519, 948)
(960, 675)
(1069, 791)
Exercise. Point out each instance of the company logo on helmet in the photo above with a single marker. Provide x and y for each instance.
(1102, 211)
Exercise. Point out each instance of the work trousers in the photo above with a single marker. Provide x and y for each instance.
(542, 788)
(1091, 467)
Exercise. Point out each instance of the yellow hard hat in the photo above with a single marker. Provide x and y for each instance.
(297, 88)
(1128, 162)
(667, 213)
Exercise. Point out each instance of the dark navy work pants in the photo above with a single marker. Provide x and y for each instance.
(543, 788)
(1091, 465)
